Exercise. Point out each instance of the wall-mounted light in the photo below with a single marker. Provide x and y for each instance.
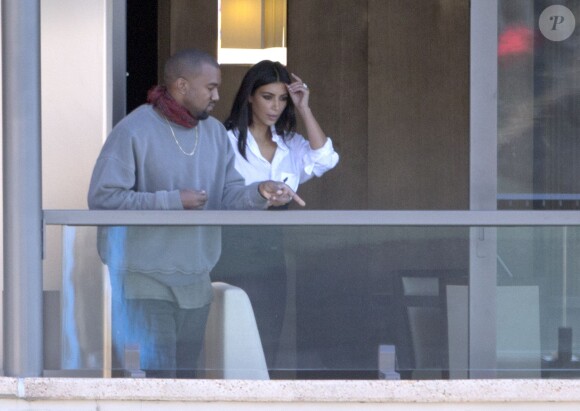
(251, 30)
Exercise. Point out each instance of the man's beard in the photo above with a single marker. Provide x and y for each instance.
(203, 115)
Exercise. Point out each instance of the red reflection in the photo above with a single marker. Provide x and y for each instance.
(516, 40)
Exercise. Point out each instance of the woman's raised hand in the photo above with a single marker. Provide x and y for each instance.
(299, 93)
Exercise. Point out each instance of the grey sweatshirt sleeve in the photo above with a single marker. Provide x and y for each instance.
(139, 168)
(114, 184)
(112, 188)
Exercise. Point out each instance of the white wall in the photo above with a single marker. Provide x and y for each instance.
(74, 112)
(1, 211)
(75, 116)
(74, 91)
(75, 40)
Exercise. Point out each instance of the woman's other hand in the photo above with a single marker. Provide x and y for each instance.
(277, 193)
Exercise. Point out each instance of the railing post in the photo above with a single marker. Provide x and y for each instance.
(22, 191)
(483, 189)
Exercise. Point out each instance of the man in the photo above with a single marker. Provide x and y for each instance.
(170, 154)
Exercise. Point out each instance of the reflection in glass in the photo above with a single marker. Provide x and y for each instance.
(351, 290)
(538, 105)
(538, 167)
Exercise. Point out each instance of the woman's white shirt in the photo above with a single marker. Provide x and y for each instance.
(294, 162)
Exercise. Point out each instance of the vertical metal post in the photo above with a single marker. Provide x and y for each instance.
(118, 20)
(483, 101)
(483, 189)
(22, 188)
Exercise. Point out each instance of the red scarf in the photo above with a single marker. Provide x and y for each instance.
(160, 98)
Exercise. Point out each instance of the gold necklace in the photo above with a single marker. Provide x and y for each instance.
(177, 142)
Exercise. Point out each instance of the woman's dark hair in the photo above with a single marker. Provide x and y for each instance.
(240, 118)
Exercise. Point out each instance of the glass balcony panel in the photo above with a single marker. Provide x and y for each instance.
(538, 100)
(335, 302)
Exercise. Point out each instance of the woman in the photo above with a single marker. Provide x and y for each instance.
(261, 127)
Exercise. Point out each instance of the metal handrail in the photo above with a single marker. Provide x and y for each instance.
(463, 218)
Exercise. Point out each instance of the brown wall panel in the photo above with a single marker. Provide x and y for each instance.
(327, 48)
(232, 75)
(419, 104)
(185, 24)
(389, 83)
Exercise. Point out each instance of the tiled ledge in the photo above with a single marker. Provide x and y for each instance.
(455, 391)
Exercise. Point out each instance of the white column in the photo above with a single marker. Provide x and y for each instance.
(22, 192)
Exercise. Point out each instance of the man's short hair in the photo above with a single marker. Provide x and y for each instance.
(185, 63)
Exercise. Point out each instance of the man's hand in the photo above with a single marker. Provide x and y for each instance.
(277, 193)
(193, 200)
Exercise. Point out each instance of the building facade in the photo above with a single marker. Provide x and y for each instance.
(448, 232)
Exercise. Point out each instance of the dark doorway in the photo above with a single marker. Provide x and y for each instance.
(141, 50)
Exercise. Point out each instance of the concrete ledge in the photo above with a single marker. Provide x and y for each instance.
(455, 391)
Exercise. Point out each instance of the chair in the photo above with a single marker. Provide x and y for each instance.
(232, 348)
(422, 332)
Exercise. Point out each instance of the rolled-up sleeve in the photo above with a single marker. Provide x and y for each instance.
(319, 161)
